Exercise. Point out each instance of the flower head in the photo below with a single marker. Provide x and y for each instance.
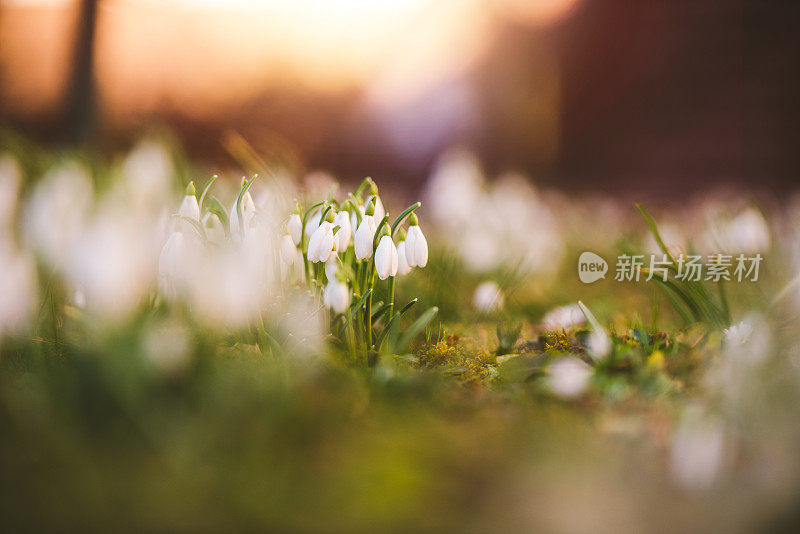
(403, 268)
(287, 249)
(320, 245)
(295, 226)
(342, 220)
(386, 260)
(416, 244)
(364, 236)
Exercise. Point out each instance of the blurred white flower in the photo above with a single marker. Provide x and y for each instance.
(599, 345)
(288, 249)
(321, 243)
(295, 226)
(747, 233)
(171, 262)
(364, 237)
(488, 297)
(738, 334)
(56, 212)
(564, 317)
(147, 171)
(215, 233)
(336, 296)
(416, 246)
(18, 289)
(386, 261)
(248, 214)
(697, 451)
(332, 266)
(568, 377)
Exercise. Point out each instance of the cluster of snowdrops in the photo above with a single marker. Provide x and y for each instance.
(337, 250)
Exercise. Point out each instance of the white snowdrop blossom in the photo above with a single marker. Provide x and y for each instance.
(738, 334)
(403, 268)
(568, 377)
(379, 209)
(343, 234)
(564, 317)
(248, 213)
(416, 246)
(336, 296)
(215, 233)
(190, 208)
(313, 223)
(320, 245)
(386, 260)
(488, 297)
(364, 237)
(288, 249)
(599, 345)
(295, 226)
(170, 263)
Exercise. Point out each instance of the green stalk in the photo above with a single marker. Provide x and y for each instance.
(391, 296)
(368, 311)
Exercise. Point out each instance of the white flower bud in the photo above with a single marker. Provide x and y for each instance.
(248, 213)
(313, 223)
(569, 377)
(190, 208)
(364, 236)
(295, 225)
(170, 262)
(320, 245)
(336, 296)
(287, 249)
(386, 260)
(416, 247)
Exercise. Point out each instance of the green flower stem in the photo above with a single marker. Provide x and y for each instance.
(368, 311)
(391, 296)
(406, 212)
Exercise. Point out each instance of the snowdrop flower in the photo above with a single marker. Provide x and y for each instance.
(332, 266)
(599, 345)
(214, 230)
(18, 288)
(248, 212)
(416, 244)
(364, 236)
(386, 260)
(379, 210)
(189, 207)
(287, 249)
(170, 262)
(488, 297)
(403, 268)
(738, 334)
(321, 243)
(313, 223)
(295, 226)
(336, 296)
(564, 317)
(569, 377)
(342, 220)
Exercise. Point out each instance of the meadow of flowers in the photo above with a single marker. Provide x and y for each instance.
(186, 351)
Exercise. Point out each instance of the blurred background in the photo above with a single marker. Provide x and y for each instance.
(648, 96)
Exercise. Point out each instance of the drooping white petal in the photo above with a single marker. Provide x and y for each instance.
(386, 258)
(313, 223)
(320, 245)
(403, 268)
(416, 247)
(342, 220)
(295, 225)
(190, 208)
(379, 210)
(248, 213)
(287, 249)
(364, 236)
